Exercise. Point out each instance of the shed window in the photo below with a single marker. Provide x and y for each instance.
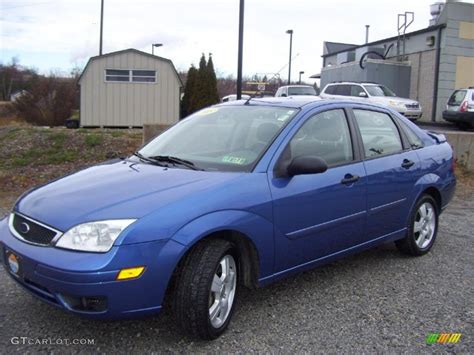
(144, 76)
(137, 76)
(117, 75)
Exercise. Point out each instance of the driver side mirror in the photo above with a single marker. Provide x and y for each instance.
(362, 94)
(306, 164)
(283, 95)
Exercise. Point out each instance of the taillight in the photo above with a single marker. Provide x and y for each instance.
(463, 107)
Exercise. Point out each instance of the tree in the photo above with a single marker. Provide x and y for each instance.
(13, 78)
(191, 81)
(49, 101)
(212, 82)
(201, 87)
(201, 92)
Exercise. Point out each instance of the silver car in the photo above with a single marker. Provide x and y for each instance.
(460, 108)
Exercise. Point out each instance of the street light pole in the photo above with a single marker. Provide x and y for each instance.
(101, 25)
(241, 47)
(290, 32)
(299, 81)
(153, 47)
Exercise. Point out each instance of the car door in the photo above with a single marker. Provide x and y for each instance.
(393, 169)
(317, 215)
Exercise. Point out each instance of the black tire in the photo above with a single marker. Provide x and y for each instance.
(408, 245)
(193, 287)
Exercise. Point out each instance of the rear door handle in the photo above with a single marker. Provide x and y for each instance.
(350, 179)
(407, 164)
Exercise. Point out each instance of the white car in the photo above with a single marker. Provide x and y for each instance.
(376, 93)
(295, 90)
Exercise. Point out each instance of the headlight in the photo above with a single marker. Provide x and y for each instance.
(94, 236)
(396, 103)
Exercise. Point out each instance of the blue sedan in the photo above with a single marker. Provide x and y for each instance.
(243, 193)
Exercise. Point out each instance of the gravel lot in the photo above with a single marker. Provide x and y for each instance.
(378, 301)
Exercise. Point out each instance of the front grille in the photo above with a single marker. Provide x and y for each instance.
(412, 106)
(32, 232)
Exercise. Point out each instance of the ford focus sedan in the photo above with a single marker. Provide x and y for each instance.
(243, 193)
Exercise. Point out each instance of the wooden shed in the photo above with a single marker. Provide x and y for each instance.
(129, 88)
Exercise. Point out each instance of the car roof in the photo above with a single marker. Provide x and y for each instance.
(296, 86)
(291, 102)
(300, 102)
(353, 83)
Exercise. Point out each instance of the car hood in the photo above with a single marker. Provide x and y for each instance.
(114, 190)
(386, 99)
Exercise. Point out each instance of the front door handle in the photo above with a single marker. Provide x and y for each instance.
(350, 179)
(407, 164)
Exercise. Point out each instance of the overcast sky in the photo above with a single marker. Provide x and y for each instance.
(62, 34)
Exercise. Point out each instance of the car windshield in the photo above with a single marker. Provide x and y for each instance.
(222, 138)
(379, 90)
(301, 90)
(457, 97)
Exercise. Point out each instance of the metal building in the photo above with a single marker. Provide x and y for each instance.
(129, 88)
(425, 65)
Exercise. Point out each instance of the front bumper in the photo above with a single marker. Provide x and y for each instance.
(85, 283)
(412, 114)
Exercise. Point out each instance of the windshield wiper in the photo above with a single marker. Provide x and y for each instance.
(147, 159)
(175, 160)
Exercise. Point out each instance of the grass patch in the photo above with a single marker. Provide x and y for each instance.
(93, 140)
(56, 157)
(116, 134)
(58, 138)
(13, 133)
(25, 158)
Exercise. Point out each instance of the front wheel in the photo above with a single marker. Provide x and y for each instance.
(422, 228)
(206, 289)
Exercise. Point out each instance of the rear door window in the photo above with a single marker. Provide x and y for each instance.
(380, 135)
(343, 90)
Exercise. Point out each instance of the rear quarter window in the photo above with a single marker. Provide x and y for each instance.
(413, 139)
(457, 97)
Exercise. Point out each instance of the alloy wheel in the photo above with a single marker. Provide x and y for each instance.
(425, 225)
(221, 296)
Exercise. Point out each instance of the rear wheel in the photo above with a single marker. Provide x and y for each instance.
(206, 289)
(422, 228)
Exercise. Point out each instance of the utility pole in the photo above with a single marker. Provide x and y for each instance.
(290, 32)
(101, 25)
(241, 47)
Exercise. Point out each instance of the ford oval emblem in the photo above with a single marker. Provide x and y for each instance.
(24, 227)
